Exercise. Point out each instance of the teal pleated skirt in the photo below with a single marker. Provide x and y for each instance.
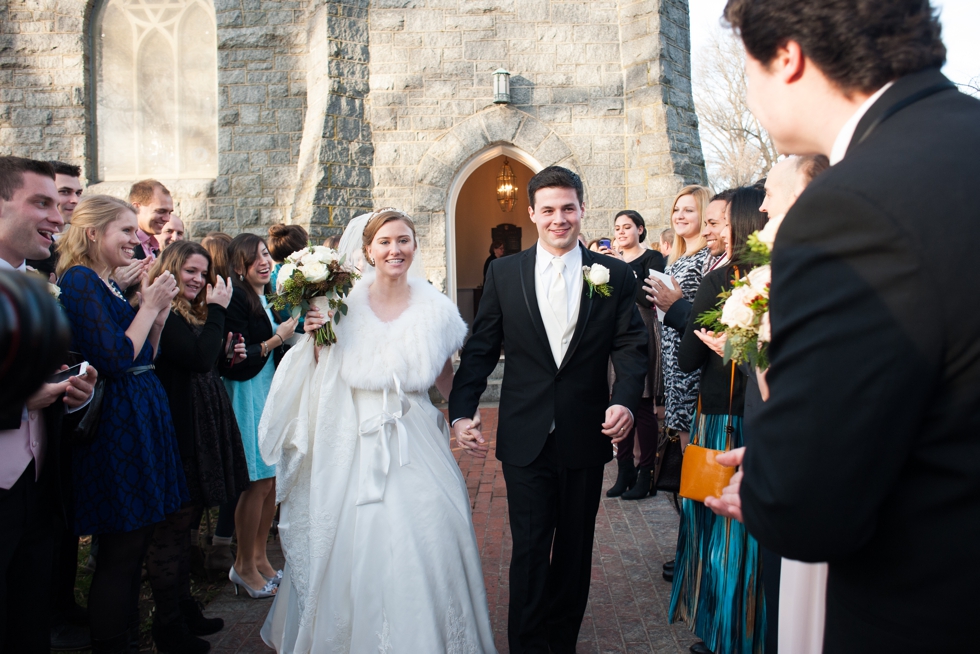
(717, 587)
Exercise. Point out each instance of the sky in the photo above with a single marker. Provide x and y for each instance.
(960, 19)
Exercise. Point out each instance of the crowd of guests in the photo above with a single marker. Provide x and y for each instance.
(718, 574)
(185, 345)
(182, 348)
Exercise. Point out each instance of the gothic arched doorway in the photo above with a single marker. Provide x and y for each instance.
(473, 215)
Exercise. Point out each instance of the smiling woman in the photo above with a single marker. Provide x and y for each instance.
(129, 477)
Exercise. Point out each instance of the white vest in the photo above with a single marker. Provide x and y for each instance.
(559, 339)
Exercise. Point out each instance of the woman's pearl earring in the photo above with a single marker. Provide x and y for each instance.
(241, 278)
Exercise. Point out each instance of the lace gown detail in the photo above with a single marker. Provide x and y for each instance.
(130, 475)
(375, 522)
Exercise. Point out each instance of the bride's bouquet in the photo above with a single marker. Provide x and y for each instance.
(314, 276)
(743, 312)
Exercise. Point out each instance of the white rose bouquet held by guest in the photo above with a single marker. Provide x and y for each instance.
(742, 316)
(315, 276)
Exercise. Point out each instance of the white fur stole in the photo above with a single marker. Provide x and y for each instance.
(414, 346)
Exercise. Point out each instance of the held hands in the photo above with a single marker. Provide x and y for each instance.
(660, 295)
(220, 293)
(469, 438)
(729, 504)
(618, 424)
(716, 342)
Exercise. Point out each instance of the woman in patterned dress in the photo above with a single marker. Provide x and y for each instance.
(129, 478)
(685, 265)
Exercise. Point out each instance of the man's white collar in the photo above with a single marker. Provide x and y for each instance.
(846, 132)
(572, 258)
(5, 265)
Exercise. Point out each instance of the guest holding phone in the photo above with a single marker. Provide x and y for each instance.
(192, 341)
(129, 478)
(247, 382)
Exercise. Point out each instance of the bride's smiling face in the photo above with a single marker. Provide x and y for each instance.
(393, 249)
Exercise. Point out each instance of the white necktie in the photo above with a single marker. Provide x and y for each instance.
(558, 294)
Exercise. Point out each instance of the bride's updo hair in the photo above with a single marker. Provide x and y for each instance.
(378, 220)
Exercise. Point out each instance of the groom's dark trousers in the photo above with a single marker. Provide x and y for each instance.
(549, 434)
(552, 516)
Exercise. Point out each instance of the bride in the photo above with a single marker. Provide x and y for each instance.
(375, 518)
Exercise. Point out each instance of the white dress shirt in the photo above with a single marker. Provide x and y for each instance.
(846, 133)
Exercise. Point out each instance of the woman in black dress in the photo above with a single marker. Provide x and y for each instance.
(630, 231)
(191, 343)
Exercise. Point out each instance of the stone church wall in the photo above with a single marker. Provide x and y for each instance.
(330, 108)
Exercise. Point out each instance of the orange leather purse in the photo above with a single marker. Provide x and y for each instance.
(701, 475)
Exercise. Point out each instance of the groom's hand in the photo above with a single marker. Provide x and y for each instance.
(469, 438)
(618, 424)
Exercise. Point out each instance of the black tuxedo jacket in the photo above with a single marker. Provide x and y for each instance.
(536, 391)
(867, 454)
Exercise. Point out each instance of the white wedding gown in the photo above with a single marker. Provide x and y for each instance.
(375, 518)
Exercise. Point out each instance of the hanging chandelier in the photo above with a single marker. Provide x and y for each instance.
(506, 187)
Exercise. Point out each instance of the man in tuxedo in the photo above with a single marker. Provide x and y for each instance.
(154, 205)
(867, 453)
(29, 438)
(557, 421)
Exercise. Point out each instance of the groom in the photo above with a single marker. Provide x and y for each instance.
(557, 421)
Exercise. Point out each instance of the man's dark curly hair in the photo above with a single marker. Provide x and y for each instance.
(860, 45)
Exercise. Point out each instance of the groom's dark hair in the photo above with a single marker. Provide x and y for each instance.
(555, 177)
(860, 45)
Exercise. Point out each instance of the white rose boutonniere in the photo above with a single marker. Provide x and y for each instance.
(597, 278)
(55, 290)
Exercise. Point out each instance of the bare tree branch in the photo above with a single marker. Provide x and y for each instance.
(737, 149)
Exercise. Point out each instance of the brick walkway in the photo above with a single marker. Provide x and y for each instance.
(628, 601)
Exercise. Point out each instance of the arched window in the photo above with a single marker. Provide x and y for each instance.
(156, 89)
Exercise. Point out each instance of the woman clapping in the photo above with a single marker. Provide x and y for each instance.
(210, 444)
(129, 477)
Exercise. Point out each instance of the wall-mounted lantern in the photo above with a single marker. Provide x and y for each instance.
(506, 187)
(501, 86)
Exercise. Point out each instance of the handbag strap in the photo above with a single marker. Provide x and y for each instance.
(729, 429)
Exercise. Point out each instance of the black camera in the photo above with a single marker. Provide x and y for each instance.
(34, 338)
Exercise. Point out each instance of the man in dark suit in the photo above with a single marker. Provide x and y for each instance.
(867, 453)
(29, 437)
(557, 421)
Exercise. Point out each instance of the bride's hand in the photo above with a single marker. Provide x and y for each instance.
(469, 438)
(313, 320)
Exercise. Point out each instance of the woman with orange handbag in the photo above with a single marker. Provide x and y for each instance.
(717, 586)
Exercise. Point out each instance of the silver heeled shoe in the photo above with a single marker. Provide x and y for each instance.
(274, 580)
(269, 590)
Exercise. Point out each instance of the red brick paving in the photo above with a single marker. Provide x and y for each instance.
(628, 600)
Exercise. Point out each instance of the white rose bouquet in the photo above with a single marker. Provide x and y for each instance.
(314, 275)
(743, 312)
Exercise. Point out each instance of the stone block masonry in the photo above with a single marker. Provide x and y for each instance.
(329, 108)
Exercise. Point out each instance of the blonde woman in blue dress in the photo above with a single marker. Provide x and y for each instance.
(375, 517)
